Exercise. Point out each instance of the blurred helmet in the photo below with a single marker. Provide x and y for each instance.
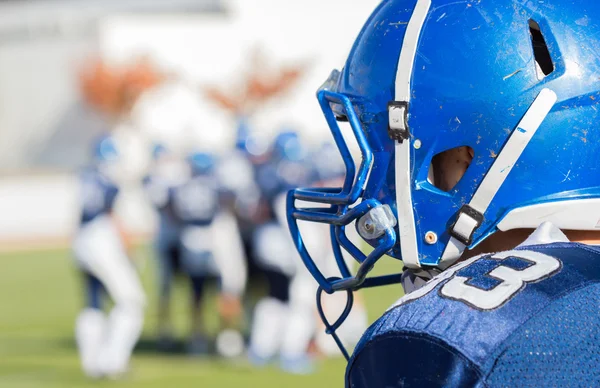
(158, 151)
(243, 133)
(517, 83)
(202, 163)
(106, 158)
(105, 150)
(287, 146)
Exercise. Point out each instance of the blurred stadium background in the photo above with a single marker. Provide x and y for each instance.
(46, 130)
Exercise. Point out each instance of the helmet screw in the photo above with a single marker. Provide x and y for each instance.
(431, 238)
(417, 144)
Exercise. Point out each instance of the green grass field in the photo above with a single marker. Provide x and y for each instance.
(40, 296)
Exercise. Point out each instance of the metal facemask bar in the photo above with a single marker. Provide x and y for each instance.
(340, 214)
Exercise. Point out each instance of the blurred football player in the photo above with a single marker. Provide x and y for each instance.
(477, 125)
(288, 310)
(167, 171)
(210, 249)
(105, 342)
(200, 240)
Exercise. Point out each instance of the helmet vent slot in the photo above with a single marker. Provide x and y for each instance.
(543, 59)
(448, 167)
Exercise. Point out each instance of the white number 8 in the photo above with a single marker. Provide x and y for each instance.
(512, 281)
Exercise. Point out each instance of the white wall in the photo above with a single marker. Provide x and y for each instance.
(44, 209)
(37, 207)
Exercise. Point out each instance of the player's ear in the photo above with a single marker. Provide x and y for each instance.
(448, 167)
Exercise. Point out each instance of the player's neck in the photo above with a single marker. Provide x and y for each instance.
(504, 241)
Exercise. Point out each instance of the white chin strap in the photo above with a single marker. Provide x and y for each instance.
(398, 120)
(471, 216)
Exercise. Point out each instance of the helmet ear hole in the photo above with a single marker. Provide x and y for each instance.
(448, 167)
(543, 59)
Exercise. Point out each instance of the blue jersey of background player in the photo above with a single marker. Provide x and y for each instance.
(195, 204)
(98, 190)
(196, 201)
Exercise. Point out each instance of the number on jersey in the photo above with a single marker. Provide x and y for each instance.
(493, 280)
(488, 282)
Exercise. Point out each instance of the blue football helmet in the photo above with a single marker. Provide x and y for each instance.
(243, 132)
(287, 146)
(106, 158)
(105, 150)
(517, 82)
(201, 163)
(159, 150)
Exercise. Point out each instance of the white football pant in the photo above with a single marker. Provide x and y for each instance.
(284, 329)
(106, 342)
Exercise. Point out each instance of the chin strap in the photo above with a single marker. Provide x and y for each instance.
(330, 328)
(471, 216)
(399, 131)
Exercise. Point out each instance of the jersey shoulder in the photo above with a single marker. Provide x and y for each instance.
(97, 194)
(531, 313)
(196, 201)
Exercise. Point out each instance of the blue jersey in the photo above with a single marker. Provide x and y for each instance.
(98, 195)
(278, 176)
(527, 317)
(195, 202)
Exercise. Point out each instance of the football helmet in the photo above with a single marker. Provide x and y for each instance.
(517, 82)
(106, 158)
(105, 149)
(287, 146)
(202, 163)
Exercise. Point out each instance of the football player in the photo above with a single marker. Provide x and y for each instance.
(476, 122)
(166, 172)
(284, 310)
(105, 342)
(210, 249)
(191, 240)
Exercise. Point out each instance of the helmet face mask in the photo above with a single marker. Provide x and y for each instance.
(504, 80)
(343, 209)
